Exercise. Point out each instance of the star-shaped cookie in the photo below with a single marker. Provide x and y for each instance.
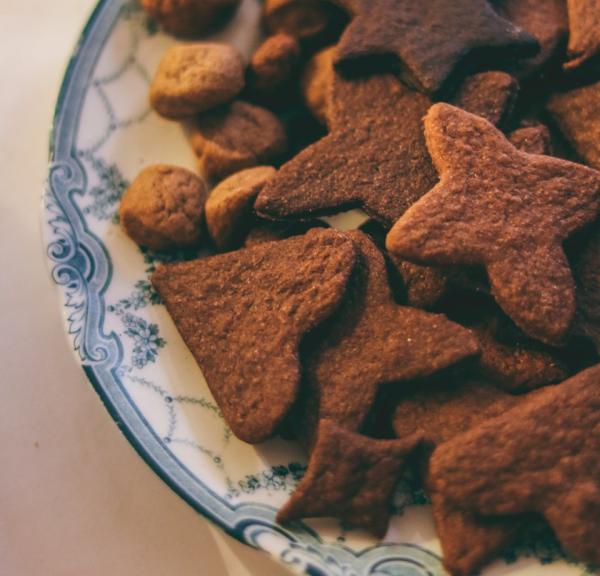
(371, 341)
(375, 157)
(541, 456)
(430, 41)
(491, 95)
(546, 21)
(505, 209)
(351, 477)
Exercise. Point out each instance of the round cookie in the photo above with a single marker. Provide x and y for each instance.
(229, 206)
(317, 81)
(163, 208)
(188, 18)
(193, 78)
(299, 18)
(273, 64)
(237, 136)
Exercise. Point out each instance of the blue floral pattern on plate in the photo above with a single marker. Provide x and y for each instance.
(103, 133)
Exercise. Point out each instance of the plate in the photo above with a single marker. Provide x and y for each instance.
(103, 134)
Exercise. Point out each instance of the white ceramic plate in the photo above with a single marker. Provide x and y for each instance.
(103, 134)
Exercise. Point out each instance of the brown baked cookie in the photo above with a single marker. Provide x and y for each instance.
(265, 231)
(517, 367)
(193, 78)
(375, 157)
(534, 139)
(306, 20)
(584, 32)
(468, 541)
(242, 315)
(546, 21)
(439, 413)
(273, 64)
(509, 359)
(424, 285)
(505, 209)
(577, 114)
(351, 477)
(317, 81)
(163, 208)
(237, 136)
(189, 18)
(541, 457)
(369, 342)
(491, 95)
(586, 270)
(228, 210)
(443, 410)
(431, 40)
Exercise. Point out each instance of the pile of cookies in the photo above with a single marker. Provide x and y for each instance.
(457, 331)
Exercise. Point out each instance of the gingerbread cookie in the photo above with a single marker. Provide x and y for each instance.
(517, 367)
(229, 206)
(242, 315)
(369, 342)
(239, 135)
(546, 21)
(533, 139)
(577, 114)
(351, 477)
(424, 286)
(443, 410)
(541, 457)
(584, 32)
(491, 95)
(163, 208)
(512, 218)
(468, 541)
(432, 41)
(189, 18)
(375, 157)
(508, 358)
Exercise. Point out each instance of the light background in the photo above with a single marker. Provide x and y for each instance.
(75, 498)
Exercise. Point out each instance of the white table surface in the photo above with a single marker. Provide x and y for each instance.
(75, 498)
